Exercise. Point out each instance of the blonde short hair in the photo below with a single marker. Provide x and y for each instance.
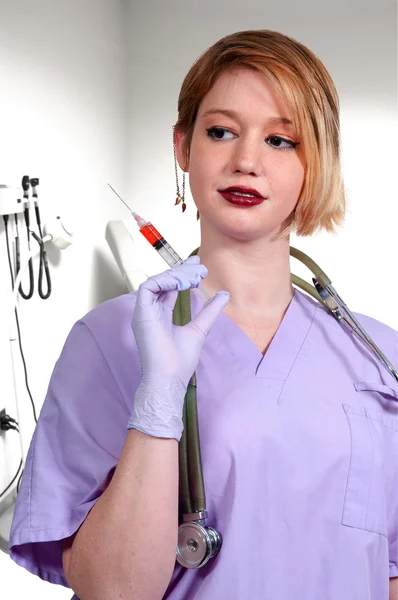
(309, 92)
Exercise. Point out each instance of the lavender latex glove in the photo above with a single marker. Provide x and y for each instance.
(169, 353)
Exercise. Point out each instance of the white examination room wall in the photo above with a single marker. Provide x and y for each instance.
(63, 104)
(82, 108)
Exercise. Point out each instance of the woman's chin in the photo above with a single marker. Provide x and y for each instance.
(245, 231)
(244, 225)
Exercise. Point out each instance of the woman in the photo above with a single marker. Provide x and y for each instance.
(298, 422)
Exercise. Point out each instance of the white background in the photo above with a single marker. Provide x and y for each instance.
(88, 93)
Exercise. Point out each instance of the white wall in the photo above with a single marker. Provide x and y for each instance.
(67, 115)
(63, 103)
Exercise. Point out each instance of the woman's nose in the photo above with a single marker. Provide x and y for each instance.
(246, 159)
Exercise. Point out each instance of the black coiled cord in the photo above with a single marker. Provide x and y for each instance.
(31, 277)
(43, 262)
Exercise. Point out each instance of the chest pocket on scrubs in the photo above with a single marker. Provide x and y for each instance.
(373, 467)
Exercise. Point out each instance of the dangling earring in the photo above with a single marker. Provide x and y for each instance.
(180, 197)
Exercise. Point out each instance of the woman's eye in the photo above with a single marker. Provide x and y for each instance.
(280, 143)
(219, 133)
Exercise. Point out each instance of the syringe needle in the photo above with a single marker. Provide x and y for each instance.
(159, 243)
(120, 197)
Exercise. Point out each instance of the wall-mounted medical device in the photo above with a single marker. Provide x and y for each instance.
(22, 252)
(11, 200)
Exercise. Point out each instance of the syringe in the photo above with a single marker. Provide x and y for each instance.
(162, 247)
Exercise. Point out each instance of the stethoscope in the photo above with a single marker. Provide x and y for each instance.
(197, 542)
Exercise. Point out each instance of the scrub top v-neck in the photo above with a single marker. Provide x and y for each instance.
(283, 349)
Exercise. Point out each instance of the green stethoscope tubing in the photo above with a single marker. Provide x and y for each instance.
(191, 484)
(190, 461)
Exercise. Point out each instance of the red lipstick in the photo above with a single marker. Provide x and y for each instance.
(242, 196)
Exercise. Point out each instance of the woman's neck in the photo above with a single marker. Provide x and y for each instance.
(256, 274)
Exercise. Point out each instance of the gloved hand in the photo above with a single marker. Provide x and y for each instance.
(169, 353)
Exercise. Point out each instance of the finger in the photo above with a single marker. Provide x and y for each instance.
(193, 260)
(209, 314)
(179, 278)
(168, 298)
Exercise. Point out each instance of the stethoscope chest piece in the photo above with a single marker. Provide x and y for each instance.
(197, 544)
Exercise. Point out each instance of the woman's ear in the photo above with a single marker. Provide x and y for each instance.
(180, 145)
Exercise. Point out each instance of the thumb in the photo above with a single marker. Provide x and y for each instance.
(209, 314)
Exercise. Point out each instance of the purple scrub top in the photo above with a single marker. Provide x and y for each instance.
(299, 449)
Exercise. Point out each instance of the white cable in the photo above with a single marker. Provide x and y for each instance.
(13, 337)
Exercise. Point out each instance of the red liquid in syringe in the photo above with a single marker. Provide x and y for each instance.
(157, 241)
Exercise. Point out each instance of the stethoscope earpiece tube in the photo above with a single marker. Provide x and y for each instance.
(196, 542)
(312, 266)
(198, 495)
(191, 425)
(324, 291)
(185, 495)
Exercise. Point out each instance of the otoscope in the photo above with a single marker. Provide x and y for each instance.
(25, 187)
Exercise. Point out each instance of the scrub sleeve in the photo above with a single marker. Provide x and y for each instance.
(74, 452)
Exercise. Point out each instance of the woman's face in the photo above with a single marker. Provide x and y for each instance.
(242, 137)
